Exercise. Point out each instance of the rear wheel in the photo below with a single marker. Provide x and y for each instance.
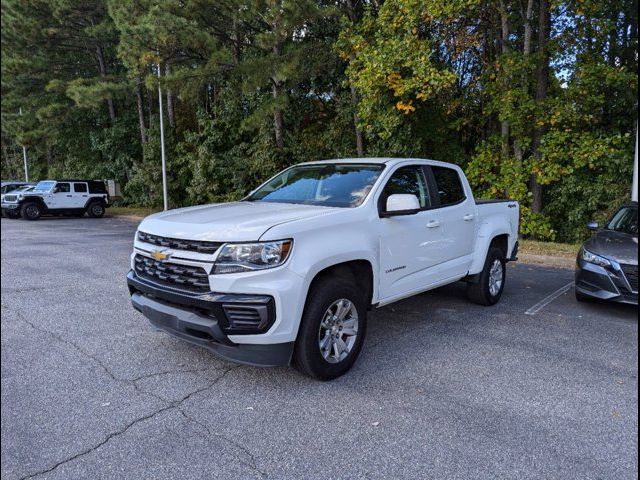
(332, 329)
(31, 211)
(96, 210)
(490, 286)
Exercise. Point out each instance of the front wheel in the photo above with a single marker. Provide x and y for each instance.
(490, 286)
(31, 211)
(332, 329)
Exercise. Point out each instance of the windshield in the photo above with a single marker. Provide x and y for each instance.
(44, 186)
(625, 221)
(328, 185)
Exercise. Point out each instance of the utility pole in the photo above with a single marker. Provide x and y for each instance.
(24, 156)
(164, 161)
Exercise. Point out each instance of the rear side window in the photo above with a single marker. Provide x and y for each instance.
(450, 188)
(96, 186)
(80, 187)
(407, 180)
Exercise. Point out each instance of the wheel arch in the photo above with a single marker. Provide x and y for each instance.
(94, 199)
(39, 200)
(359, 271)
(489, 236)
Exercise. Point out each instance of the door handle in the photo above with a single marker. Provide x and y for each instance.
(468, 217)
(69, 195)
(433, 224)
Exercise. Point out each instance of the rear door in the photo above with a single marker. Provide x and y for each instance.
(80, 194)
(456, 212)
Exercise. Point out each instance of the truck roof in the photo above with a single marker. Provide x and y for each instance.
(379, 160)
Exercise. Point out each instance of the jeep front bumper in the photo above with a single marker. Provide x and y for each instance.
(208, 319)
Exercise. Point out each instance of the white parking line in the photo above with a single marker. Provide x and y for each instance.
(547, 300)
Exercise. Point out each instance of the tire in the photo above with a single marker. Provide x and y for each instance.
(487, 292)
(31, 211)
(321, 322)
(96, 210)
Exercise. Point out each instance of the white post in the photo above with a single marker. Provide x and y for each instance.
(634, 191)
(164, 161)
(24, 156)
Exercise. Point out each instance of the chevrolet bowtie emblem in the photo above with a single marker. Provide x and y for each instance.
(159, 255)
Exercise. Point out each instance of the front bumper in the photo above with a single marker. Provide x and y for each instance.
(203, 320)
(9, 206)
(600, 283)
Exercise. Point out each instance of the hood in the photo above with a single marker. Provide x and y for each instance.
(228, 222)
(623, 247)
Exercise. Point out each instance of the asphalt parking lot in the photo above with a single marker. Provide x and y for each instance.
(443, 389)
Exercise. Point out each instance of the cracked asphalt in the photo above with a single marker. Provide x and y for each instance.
(443, 389)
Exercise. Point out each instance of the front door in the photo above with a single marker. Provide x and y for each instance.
(410, 245)
(62, 198)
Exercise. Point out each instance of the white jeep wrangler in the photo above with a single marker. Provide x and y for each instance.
(58, 197)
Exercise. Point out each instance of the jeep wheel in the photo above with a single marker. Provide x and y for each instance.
(332, 329)
(490, 286)
(31, 211)
(95, 210)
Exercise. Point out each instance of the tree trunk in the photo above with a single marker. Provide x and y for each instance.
(149, 106)
(141, 122)
(353, 16)
(526, 50)
(356, 122)
(278, 116)
(541, 95)
(103, 73)
(504, 25)
(528, 30)
(171, 115)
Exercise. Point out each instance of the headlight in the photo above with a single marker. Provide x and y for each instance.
(589, 257)
(246, 257)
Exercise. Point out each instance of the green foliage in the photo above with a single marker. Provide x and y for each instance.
(251, 87)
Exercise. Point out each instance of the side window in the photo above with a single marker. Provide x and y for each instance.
(407, 180)
(80, 187)
(63, 188)
(450, 189)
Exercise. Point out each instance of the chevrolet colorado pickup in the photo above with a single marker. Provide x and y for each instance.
(287, 274)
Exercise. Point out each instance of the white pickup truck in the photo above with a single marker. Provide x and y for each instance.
(287, 274)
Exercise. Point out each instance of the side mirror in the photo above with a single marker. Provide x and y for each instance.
(593, 226)
(401, 204)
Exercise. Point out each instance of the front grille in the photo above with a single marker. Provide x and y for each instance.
(173, 275)
(631, 272)
(179, 244)
(10, 198)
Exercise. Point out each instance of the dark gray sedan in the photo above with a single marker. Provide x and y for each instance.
(607, 267)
